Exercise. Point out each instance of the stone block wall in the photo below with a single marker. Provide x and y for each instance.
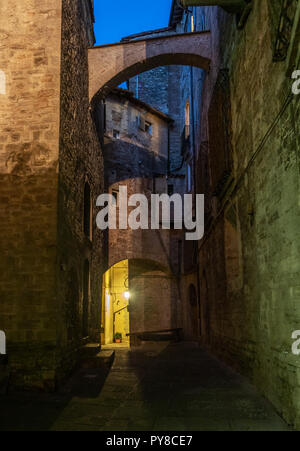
(249, 258)
(159, 88)
(48, 150)
(152, 87)
(80, 162)
(29, 151)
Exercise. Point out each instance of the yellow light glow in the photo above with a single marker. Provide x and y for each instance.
(126, 295)
(107, 300)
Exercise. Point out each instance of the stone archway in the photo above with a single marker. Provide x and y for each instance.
(110, 65)
(153, 302)
(138, 296)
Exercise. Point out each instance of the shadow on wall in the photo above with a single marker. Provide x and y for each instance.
(124, 161)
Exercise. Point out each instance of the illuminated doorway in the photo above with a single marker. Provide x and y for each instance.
(115, 301)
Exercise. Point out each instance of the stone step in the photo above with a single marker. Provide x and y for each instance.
(89, 350)
(104, 359)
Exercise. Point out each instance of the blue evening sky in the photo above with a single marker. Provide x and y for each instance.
(116, 19)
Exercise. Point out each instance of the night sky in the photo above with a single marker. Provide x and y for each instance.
(116, 19)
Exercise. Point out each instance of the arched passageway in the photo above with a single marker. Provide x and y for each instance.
(115, 304)
(110, 65)
(138, 296)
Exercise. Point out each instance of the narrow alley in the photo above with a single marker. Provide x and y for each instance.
(161, 386)
(150, 215)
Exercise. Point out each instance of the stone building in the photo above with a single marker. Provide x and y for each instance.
(51, 172)
(242, 153)
(226, 127)
(247, 150)
(177, 90)
(137, 156)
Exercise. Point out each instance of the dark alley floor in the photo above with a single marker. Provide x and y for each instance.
(156, 387)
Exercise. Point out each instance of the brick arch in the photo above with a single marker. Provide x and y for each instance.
(110, 65)
(141, 265)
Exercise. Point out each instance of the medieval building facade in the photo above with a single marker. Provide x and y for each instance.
(51, 175)
(137, 157)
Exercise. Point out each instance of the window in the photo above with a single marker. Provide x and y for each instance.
(148, 128)
(116, 134)
(87, 221)
(193, 21)
(144, 125)
(141, 123)
(187, 118)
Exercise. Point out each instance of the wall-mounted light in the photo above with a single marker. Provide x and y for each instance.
(126, 295)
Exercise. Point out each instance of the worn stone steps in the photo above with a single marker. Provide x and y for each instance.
(103, 359)
(89, 350)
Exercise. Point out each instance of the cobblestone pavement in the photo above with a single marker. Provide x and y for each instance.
(156, 387)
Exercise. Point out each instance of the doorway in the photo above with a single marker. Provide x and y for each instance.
(115, 302)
